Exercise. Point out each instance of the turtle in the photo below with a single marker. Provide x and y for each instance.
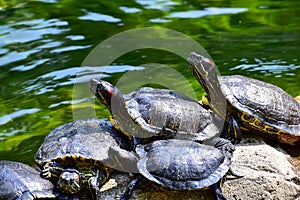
(152, 113)
(248, 104)
(80, 156)
(21, 181)
(184, 165)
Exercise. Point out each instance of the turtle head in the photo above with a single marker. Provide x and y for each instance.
(104, 91)
(204, 70)
(69, 181)
(206, 73)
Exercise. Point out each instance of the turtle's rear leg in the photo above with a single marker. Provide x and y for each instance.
(218, 192)
(131, 186)
(96, 181)
(94, 187)
(232, 131)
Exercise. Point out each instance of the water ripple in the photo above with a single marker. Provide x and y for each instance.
(206, 12)
(75, 37)
(24, 39)
(98, 17)
(70, 48)
(14, 56)
(31, 30)
(159, 20)
(30, 65)
(277, 67)
(9, 117)
(157, 4)
(50, 81)
(129, 10)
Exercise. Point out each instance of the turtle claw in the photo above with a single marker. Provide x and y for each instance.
(46, 172)
(229, 148)
(120, 197)
(51, 169)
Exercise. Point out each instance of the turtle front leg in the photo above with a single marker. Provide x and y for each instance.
(232, 175)
(130, 189)
(94, 187)
(234, 131)
(122, 160)
(52, 169)
(218, 192)
(95, 182)
(134, 142)
(220, 143)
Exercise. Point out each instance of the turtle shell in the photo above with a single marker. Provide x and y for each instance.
(80, 156)
(83, 144)
(164, 112)
(182, 164)
(263, 107)
(18, 180)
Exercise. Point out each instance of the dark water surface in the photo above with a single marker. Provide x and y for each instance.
(44, 43)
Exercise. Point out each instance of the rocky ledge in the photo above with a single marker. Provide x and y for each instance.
(267, 174)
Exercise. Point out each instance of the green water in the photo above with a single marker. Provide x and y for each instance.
(44, 43)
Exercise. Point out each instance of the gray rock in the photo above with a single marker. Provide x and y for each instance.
(266, 171)
(118, 182)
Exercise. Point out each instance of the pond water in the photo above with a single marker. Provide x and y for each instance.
(44, 45)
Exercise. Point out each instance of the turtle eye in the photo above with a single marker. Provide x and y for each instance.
(208, 61)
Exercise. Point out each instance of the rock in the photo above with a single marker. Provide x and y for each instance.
(266, 171)
(118, 182)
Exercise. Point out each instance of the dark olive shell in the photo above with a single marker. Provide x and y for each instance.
(263, 107)
(82, 143)
(18, 180)
(166, 112)
(182, 164)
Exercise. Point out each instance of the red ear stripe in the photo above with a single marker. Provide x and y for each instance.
(110, 92)
(208, 61)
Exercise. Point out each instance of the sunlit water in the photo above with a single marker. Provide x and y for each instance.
(44, 43)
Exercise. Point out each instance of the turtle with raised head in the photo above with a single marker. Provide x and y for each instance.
(155, 113)
(247, 103)
(184, 165)
(79, 156)
(20, 181)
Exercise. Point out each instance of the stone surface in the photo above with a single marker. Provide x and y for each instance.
(119, 181)
(267, 174)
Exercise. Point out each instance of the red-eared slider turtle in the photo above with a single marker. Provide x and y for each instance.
(77, 156)
(159, 113)
(251, 104)
(184, 165)
(20, 181)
